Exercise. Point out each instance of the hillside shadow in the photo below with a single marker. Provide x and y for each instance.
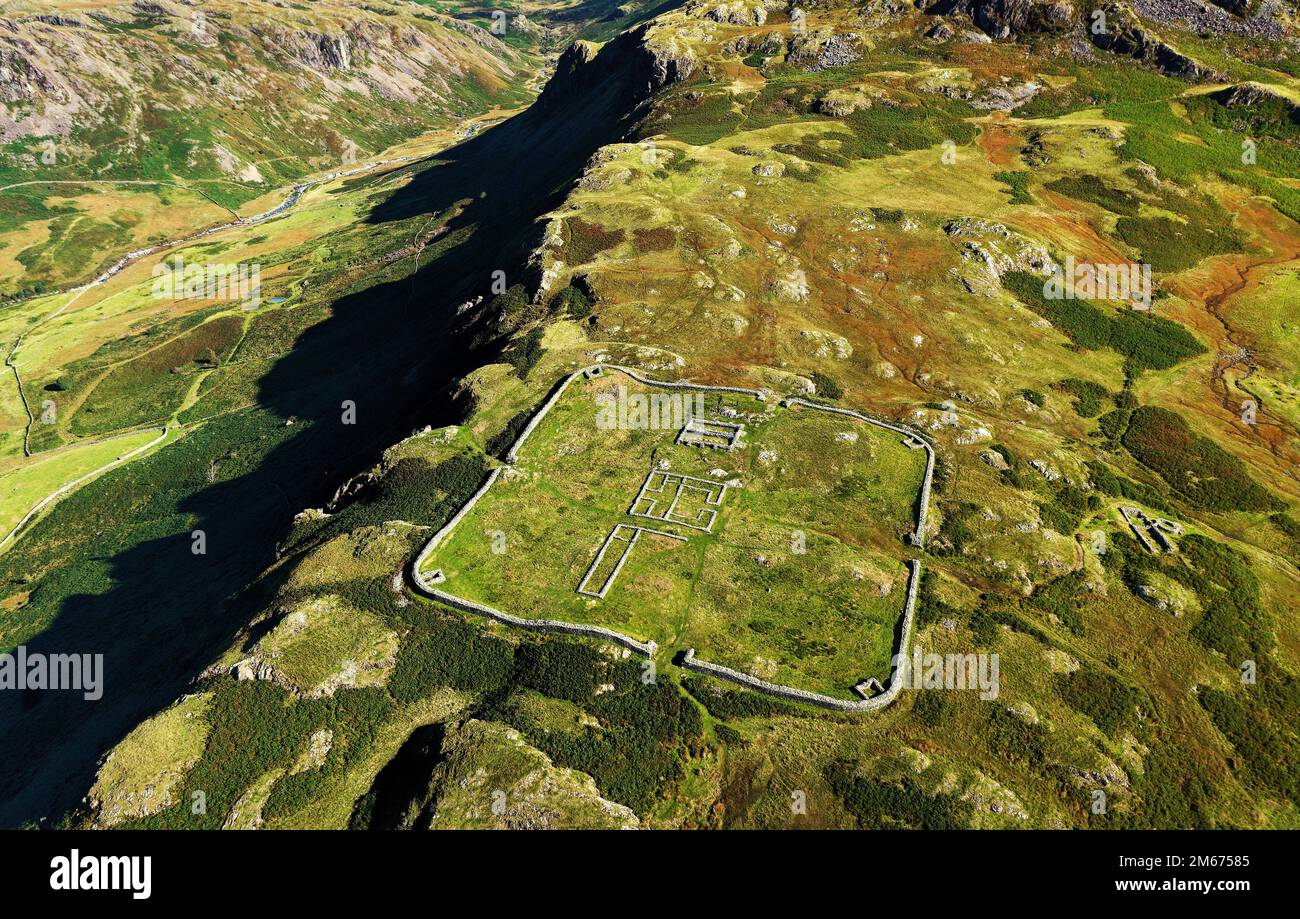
(117, 574)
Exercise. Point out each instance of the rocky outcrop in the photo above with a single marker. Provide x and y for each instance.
(940, 31)
(1257, 96)
(1265, 19)
(489, 777)
(22, 79)
(1011, 18)
(1124, 33)
(1242, 8)
(990, 250)
(736, 13)
(825, 51)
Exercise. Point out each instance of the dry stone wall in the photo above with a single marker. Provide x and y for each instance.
(648, 648)
(794, 694)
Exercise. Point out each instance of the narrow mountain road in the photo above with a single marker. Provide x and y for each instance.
(290, 201)
(62, 490)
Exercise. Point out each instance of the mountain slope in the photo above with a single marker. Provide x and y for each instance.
(228, 101)
(855, 206)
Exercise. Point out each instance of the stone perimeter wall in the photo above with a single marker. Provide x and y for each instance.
(920, 438)
(648, 648)
(791, 693)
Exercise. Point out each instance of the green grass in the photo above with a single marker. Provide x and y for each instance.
(146, 769)
(480, 759)
(743, 595)
(1155, 136)
(318, 640)
(26, 484)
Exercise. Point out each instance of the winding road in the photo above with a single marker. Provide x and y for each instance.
(62, 490)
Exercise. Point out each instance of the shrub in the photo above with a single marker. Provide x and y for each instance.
(1196, 468)
(728, 736)
(1175, 245)
(730, 705)
(1088, 396)
(1109, 702)
(1149, 342)
(1081, 322)
(1152, 342)
(1260, 727)
(583, 241)
(638, 749)
(447, 652)
(1232, 621)
(956, 528)
(826, 386)
(929, 608)
(1103, 479)
(1097, 191)
(1061, 598)
(501, 441)
(1019, 185)
(1015, 740)
(525, 354)
(653, 240)
(932, 709)
(562, 670)
(573, 303)
(1287, 524)
(882, 805)
(511, 307)
(1174, 792)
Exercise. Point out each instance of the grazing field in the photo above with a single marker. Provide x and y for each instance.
(165, 373)
(24, 483)
(781, 557)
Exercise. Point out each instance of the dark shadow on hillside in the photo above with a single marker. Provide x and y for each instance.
(165, 612)
(397, 798)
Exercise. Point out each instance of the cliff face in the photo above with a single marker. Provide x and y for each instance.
(639, 63)
(596, 96)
